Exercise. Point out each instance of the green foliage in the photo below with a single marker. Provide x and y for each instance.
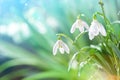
(35, 49)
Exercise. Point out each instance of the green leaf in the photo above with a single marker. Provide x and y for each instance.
(48, 74)
(114, 48)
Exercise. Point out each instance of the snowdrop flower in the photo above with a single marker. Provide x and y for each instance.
(80, 24)
(61, 46)
(95, 29)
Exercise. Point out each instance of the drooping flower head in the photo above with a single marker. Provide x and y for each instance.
(95, 29)
(80, 24)
(61, 46)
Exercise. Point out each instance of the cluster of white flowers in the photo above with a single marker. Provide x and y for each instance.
(95, 29)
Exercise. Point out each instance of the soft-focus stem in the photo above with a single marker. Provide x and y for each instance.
(116, 66)
(60, 34)
(101, 4)
(107, 22)
(78, 36)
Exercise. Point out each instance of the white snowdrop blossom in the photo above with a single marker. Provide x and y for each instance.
(61, 46)
(95, 29)
(80, 24)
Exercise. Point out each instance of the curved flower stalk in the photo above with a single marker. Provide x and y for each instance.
(80, 24)
(95, 29)
(61, 46)
(72, 61)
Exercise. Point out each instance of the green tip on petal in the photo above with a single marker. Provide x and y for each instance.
(59, 37)
(94, 17)
(78, 17)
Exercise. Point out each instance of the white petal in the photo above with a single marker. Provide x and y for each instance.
(94, 28)
(74, 64)
(72, 59)
(91, 35)
(73, 28)
(66, 48)
(85, 25)
(102, 30)
(61, 50)
(81, 29)
(55, 47)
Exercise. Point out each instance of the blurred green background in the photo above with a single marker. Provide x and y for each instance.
(28, 31)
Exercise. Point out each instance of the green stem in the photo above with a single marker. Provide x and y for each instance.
(102, 4)
(107, 22)
(116, 66)
(60, 34)
(78, 36)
